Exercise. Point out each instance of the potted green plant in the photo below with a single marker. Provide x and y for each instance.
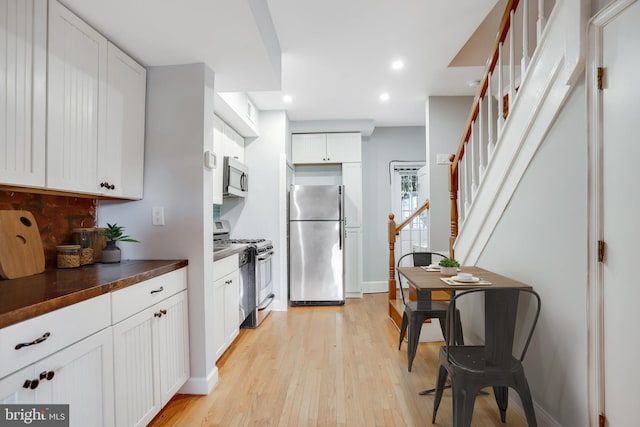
(114, 233)
(449, 267)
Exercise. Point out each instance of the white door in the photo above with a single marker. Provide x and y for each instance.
(173, 343)
(620, 204)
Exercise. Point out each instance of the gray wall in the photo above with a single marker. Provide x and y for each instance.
(384, 145)
(179, 129)
(446, 117)
(541, 239)
(261, 214)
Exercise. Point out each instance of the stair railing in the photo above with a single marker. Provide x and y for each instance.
(393, 231)
(496, 96)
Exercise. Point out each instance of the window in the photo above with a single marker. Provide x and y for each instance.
(405, 201)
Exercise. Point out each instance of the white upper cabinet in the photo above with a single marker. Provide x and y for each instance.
(95, 111)
(344, 147)
(23, 56)
(314, 148)
(77, 84)
(121, 157)
(233, 144)
(309, 148)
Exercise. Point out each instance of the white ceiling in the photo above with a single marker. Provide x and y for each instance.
(336, 54)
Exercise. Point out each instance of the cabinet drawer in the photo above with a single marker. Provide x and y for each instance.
(63, 326)
(225, 266)
(133, 299)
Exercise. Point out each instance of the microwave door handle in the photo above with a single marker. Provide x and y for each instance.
(243, 182)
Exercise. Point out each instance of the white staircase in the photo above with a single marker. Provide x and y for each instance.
(495, 152)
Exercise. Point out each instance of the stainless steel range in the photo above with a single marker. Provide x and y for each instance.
(256, 293)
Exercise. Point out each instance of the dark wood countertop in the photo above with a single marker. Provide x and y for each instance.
(27, 297)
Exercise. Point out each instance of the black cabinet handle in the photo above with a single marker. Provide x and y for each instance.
(48, 375)
(155, 291)
(32, 384)
(163, 311)
(36, 341)
(107, 186)
(157, 314)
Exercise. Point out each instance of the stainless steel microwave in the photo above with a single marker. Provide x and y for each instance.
(235, 181)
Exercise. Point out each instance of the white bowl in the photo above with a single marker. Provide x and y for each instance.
(465, 279)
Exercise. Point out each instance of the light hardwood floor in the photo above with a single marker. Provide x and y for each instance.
(324, 366)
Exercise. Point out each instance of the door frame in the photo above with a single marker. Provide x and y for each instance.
(595, 276)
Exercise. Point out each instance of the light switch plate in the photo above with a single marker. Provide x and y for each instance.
(209, 160)
(157, 216)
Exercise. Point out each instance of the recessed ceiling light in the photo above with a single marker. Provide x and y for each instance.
(384, 96)
(287, 98)
(473, 83)
(397, 64)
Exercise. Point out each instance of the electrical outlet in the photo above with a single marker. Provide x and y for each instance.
(157, 216)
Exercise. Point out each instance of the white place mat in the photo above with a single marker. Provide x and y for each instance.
(449, 281)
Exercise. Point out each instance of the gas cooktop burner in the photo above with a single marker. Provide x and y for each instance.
(246, 240)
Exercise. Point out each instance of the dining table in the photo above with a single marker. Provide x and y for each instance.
(427, 279)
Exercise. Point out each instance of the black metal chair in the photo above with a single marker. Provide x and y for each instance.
(492, 364)
(414, 316)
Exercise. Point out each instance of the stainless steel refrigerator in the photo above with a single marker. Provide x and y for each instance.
(316, 245)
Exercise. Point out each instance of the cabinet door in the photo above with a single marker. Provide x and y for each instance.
(82, 378)
(353, 262)
(233, 143)
(232, 307)
(218, 150)
(135, 351)
(76, 104)
(13, 390)
(173, 343)
(309, 148)
(23, 68)
(344, 147)
(352, 181)
(219, 342)
(120, 169)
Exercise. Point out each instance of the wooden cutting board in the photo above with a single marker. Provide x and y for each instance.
(21, 252)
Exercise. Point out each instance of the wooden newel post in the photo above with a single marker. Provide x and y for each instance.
(392, 258)
(453, 191)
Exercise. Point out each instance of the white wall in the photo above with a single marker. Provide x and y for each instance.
(541, 239)
(446, 117)
(179, 128)
(383, 146)
(260, 215)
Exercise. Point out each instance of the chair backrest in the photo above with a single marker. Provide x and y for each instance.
(419, 259)
(500, 313)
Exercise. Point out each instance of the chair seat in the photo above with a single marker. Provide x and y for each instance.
(472, 360)
(438, 308)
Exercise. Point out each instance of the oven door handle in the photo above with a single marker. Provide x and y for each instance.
(265, 256)
(266, 302)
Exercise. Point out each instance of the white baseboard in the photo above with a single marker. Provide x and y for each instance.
(542, 417)
(201, 385)
(375, 287)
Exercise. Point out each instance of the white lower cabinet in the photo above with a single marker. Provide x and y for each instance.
(80, 375)
(226, 294)
(151, 352)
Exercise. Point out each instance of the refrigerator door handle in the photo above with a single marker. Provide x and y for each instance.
(340, 218)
